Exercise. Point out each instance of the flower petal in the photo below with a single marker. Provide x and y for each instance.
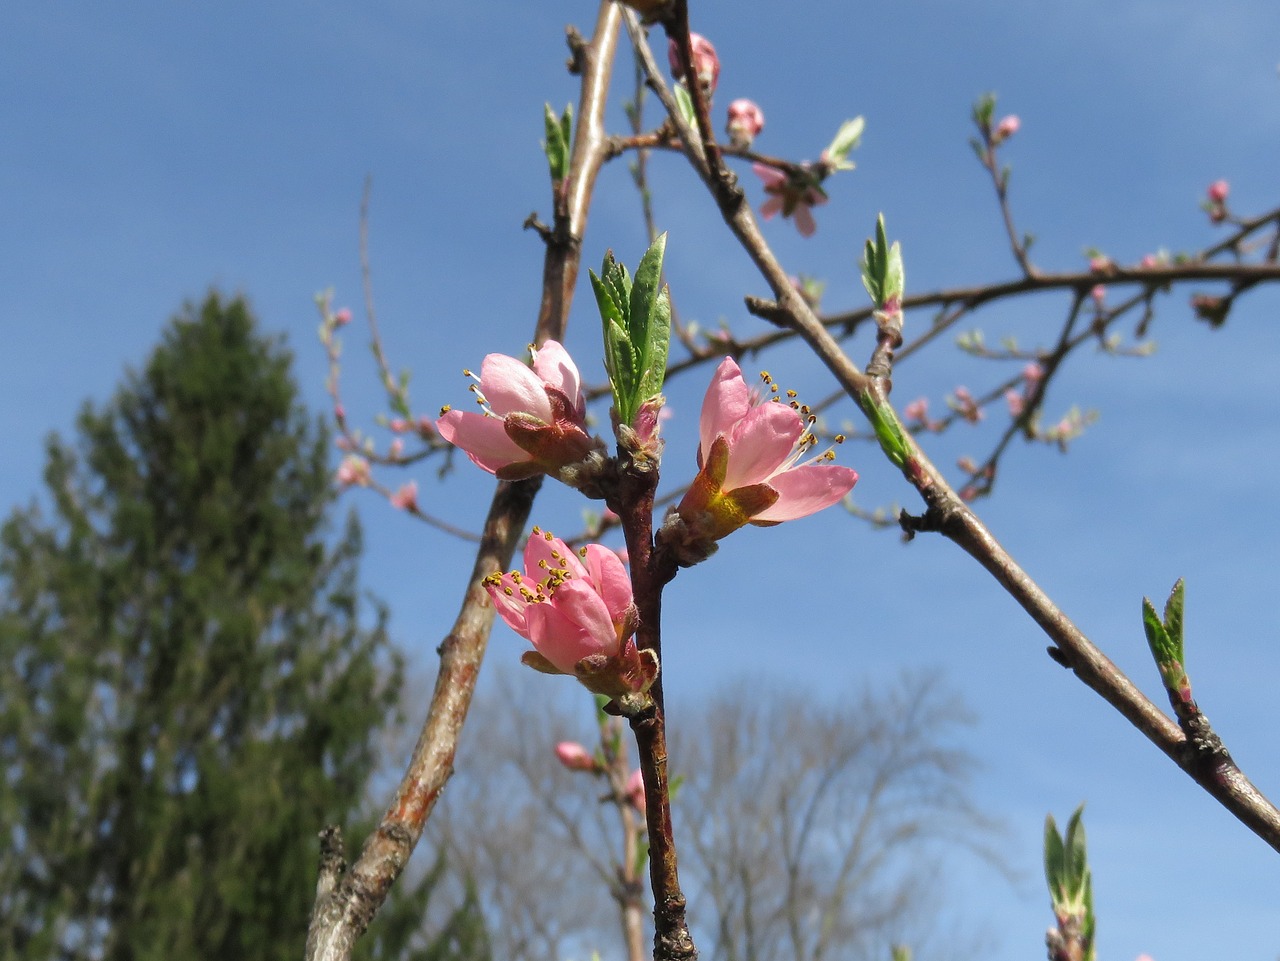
(484, 439)
(556, 368)
(611, 581)
(761, 444)
(559, 639)
(804, 220)
(771, 176)
(545, 551)
(806, 490)
(728, 400)
(510, 386)
(509, 603)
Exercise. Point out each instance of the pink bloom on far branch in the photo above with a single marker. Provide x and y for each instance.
(577, 611)
(342, 317)
(406, 498)
(353, 471)
(1005, 129)
(1033, 373)
(1016, 403)
(705, 62)
(749, 472)
(534, 420)
(746, 120)
(1099, 295)
(917, 409)
(575, 757)
(396, 449)
(635, 791)
(789, 197)
(398, 425)
(1218, 191)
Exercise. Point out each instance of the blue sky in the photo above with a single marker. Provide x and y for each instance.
(151, 150)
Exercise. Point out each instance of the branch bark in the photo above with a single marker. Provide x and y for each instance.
(344, 909)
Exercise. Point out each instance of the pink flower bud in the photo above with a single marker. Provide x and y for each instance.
(1099, 295)
(396, 449)
(1005, 129)
(918, 409)
(746, 120)
(1099, 263)
(575, 757)
(406, 498)
(339, 413)
(1033, 373)
(635, 791)
(705, 62)
(1015, 402)
(1218, 191)
(399, 425)
(342, 317)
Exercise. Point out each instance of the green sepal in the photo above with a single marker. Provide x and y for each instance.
(845, 140)
(559, 136)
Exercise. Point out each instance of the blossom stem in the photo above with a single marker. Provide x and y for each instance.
(651, 571)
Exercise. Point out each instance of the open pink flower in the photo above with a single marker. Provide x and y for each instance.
(748, 454)
(577, 611)
(353, 471)
(533, 420)
(575, 757)
(791, 195)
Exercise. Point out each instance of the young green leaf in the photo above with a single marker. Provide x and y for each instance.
(649, 326)
(556, 146)
(845, 140)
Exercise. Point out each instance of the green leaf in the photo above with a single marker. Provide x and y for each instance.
(984, 109)
(883, 274)
(1054, 858)
(556, 146)
(845, 140)
(650, 327)
(1173, 618)
(1077, 863)
(685, 104)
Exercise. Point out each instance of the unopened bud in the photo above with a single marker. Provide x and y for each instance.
(705, 62)
(575, 757)
(746, 120)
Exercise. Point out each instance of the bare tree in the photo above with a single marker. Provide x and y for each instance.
(813, 830)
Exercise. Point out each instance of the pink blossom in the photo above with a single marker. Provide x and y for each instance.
(575, 757)
(398, 425)
(967, 464)
(533, 420)
(1033, 373)
(965, 405)
(790, 195)
(342, 317)
(635, 791)
(746, 120)
(749, 470)
(1148, 261)
(1099, 295)
(396, 449)
(1015, 402)
(406, 498)
(705, 62)
(353, 471)
(339, 413)
(577, 611)
(1218, 191)
(1099, 263)
(918, 409)
(1005, 129)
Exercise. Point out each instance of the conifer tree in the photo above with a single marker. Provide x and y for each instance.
(190, 690)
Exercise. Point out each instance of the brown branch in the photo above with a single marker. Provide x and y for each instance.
(343, 913)
(948, 514)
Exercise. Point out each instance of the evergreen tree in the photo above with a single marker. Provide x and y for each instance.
(188, 692)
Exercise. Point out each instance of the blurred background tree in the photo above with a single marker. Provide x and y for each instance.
(190, 690)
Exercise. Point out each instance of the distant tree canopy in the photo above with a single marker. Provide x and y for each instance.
(188, 693)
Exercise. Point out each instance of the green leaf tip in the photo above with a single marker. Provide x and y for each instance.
(883, 274)
(1164, 635)
(636, 316)
(847, 138)
(559, 134)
